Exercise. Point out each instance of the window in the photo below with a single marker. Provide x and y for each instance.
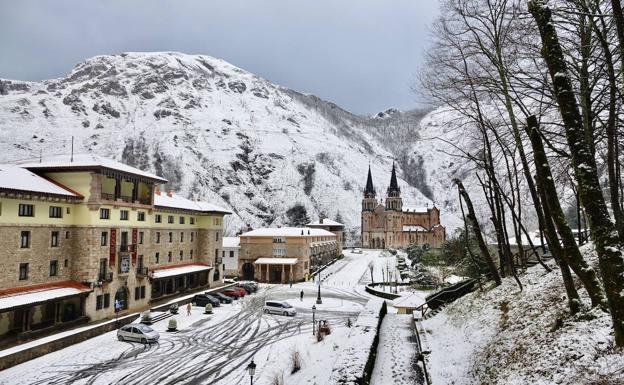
(182, 220)
(67, 235)
(278, 240)
(191, 254)
(158, 218)
(182, 237)
(170, 219)
(104, 238)
(141, 216)
(23, 271)
(169, 256)
(104, 213)
(181, 255)
(25, 239)
(99, 301)
(192, 220)
(54, 239)
(158, 237)
(26, 210)
(53, 268)
(140, 262)
(139, 293)
(67, 210)
(170, 237)
(140, 237)
(106, 300)
(231, 254)
(66, 262)
(123, 215)
(56, 212)
(192, 236)
(223, 254)
(216, 254)
(279, 252)
(217, 236)
(102, 269)
(157, 258)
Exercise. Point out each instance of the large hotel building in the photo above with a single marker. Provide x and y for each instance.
(80, 236)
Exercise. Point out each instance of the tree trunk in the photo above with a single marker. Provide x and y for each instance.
(474, 223)
(603, 231)
(550, 200)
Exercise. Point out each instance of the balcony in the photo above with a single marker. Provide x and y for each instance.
(127, 248)
(142, 272)
(108, 197)
(105, 276)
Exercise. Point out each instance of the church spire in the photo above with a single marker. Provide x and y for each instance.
(394, 185)
(369, 191)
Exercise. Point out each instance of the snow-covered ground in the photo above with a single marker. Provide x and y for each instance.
(396, 360)
(503, 336)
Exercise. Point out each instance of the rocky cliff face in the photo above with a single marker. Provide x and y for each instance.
(221, 134)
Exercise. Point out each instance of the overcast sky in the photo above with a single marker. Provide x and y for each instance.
(361, 54)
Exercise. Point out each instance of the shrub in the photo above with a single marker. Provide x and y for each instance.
(173, 325)
(295, 361)
(173, 309)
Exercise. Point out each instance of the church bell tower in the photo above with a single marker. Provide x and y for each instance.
(370, 196)
(393, 196)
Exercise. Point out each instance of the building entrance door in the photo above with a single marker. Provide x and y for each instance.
(275, 274)
(248, 271)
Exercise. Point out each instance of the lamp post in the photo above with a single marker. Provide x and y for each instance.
(251, 369)
(313, 319)
(318, 297)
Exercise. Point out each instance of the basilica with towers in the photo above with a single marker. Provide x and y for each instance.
(392, 225)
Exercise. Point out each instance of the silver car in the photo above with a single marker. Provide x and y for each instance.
(137, 332)
(279, 307)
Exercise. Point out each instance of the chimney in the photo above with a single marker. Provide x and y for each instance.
(157, 189)
(169, 194)
(321, 220)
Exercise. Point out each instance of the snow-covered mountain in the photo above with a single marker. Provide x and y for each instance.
(223, 134)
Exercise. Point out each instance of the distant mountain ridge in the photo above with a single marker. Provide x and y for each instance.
(222, 134)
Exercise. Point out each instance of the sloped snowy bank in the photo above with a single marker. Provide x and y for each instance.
(504, 336)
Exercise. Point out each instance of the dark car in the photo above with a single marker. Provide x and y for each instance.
(247, 288)
(222, 297)
(251, 288)
(203, 300)
(232, 293)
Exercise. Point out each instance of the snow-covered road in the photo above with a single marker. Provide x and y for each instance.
(216, 349)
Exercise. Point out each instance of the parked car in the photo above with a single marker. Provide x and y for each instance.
(137, 332)
(249, 284)
(248, 288)
(240, 290)
(204, 299)
(232, 293)
(222, 297)
(279, 307)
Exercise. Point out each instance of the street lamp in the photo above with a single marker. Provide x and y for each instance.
(313, 319)
(318, 297)
(251, 369)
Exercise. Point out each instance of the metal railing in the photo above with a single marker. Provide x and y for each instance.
(127, 248)
(105, 276)
(142, 271)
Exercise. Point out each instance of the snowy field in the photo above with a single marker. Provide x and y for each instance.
(216, 349)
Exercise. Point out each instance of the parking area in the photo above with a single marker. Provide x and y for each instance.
(207, 349)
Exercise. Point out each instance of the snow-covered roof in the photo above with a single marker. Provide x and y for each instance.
(414, 228)
(178, 202)
(16, 178)
(40, 294)
(276, 261)
(288, 232)
(414, 209)
(326, 222)
(173, 271)
(411, 301)
(231, 242)
(85, 161)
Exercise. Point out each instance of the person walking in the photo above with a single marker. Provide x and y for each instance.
(189, 307)
(291, 284)
(301, 296)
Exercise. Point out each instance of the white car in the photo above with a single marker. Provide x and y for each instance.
(137, 332)
(279, 307)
